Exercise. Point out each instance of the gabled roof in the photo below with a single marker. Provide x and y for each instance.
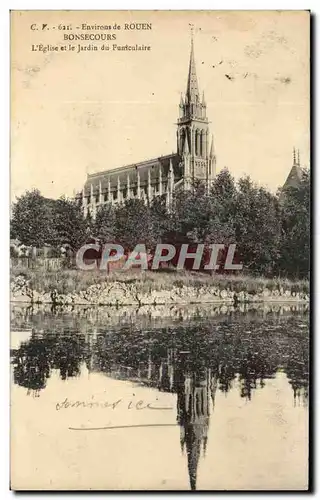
(153, 165)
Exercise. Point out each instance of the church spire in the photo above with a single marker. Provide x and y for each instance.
(192, 94)
(193, 130)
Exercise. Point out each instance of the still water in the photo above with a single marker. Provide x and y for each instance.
(214, 399)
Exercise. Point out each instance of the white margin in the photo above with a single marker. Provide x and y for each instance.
(312, 5)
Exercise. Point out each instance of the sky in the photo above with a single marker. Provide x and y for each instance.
(78, 113)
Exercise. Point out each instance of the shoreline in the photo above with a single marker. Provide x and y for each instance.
(133, 293)
(95, 319)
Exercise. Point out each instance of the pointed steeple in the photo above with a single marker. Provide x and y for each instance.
(160, 181)
(138, 185)
(168, 196)
(84, 198)
(149, 187)
(171, 177)
(109, 190)
(295, 174)
(128, 187)
(100, 192)
(192, 93)
(118, 190)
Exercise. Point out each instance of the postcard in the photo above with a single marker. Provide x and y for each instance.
(159, 250)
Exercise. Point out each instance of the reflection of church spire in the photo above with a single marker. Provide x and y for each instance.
(193, 417)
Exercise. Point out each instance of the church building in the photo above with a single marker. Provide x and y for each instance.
(194, 160)
(295, 174)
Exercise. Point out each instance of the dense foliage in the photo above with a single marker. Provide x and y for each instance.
(271, 231)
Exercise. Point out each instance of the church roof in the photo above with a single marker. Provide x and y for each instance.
(131, 170)
(294, 177)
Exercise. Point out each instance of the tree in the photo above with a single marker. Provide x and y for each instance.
(257, 226)
(223, 196)
(161, 219)
(133, 225)
(68, 224)
(295, 229)
(32, 219)
(191, 213)
(104, 226)
(271, 232)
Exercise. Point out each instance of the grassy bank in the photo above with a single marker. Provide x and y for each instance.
(74, 281)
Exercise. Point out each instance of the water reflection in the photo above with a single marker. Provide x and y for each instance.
(193, 412)
(193, 361)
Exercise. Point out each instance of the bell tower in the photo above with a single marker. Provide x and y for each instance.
(193, 131)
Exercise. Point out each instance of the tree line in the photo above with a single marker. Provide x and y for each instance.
(271, 231)
(192, 349)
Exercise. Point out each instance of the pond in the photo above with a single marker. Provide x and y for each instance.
(212, 399)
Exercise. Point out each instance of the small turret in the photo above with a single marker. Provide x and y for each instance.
(160, 181)
(128, 187)
(100, 192)
(149, 186)
(295, 174)
(84, 199)
(109, 190)
(212, 148)
(118, 190)
(138, 185)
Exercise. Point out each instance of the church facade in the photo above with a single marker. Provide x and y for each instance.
(195, 159)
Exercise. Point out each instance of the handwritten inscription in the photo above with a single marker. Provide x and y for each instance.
(127, 404)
